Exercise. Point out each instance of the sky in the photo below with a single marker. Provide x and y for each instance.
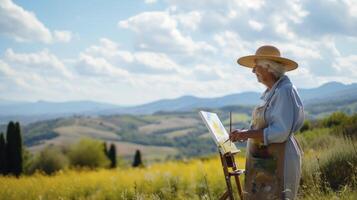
(137, 51)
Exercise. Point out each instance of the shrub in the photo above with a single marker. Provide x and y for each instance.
(306, 126)
(335, 119)
(88, 153)
(340, 167)
(49, 160)
(330, 170)
(316, 139)
(350, 131)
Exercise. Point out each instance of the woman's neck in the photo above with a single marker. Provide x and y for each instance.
(270, 83)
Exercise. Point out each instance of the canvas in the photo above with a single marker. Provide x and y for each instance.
(218, 132)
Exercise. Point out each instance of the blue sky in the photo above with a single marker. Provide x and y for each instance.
(132, 52)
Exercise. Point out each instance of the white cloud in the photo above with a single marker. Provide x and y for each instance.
(282, 28)
(242, 16)
(143, 62)
(251, 4)
(96, 66)
(328, 17)
(231, 44)
(109, 50)
(8, 78)
(207, 73)
(23, 26)
(296, 13)
(5, 69)
(189, 47)
(255, 25)
(217, 4)
(20, 24)
(329, 43)
(189, 20)
(21, 83)
(150, 1)
(155, 62)
(346, 65)
(352, 7)
(157, 31)
(42, 62)
(62, 36)
(302, 50)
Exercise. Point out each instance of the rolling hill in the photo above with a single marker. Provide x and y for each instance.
(161, 129)
(159, 136)
(27, 112)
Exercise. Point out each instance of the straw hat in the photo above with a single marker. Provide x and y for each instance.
(267, 52)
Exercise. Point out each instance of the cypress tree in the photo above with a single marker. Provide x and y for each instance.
(137, 159)
(18, 150)
(2, 155)
(10, 148)
(112, 156)
(14, 149)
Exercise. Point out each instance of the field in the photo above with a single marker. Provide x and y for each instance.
(158, 136)
(195, 179)
(329, 172)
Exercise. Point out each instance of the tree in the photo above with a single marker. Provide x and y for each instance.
(2, 155)
(137, 159)
(335, 119)
(49, 160)
(14, 149)
(112, 156)
(18, 150)
(10, 148)
(88, 153)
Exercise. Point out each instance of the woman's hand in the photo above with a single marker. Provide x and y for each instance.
(238, 135)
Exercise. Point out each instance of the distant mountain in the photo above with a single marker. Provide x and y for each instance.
(328, 92)
(34, 111)
(332, 93)
(187, 103)
(49, 108)
(9, 102)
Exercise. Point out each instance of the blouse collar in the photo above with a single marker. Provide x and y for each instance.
(268, 93)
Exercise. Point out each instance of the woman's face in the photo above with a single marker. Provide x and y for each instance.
(263, 75)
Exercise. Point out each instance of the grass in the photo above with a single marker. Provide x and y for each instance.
(196, 179)
(329, 166)
(329, 172)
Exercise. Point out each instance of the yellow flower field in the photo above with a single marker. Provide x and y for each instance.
(196, 179)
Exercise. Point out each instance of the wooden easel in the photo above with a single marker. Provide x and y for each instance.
(230, 169)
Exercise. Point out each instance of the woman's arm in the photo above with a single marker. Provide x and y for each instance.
(239, 135)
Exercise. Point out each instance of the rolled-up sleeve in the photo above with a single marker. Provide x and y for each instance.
(281, 115)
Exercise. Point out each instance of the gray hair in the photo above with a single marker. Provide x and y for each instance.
(277, 69)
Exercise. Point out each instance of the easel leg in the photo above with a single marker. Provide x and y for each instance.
(224, 196)
(239, 187)
(229, 192)
(230, 189)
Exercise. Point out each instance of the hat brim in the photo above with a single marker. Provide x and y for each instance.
(249, 61)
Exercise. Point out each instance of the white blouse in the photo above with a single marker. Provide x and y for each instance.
(285, 112)
(284, 116)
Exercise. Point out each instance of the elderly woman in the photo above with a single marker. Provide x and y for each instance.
(273, 164)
